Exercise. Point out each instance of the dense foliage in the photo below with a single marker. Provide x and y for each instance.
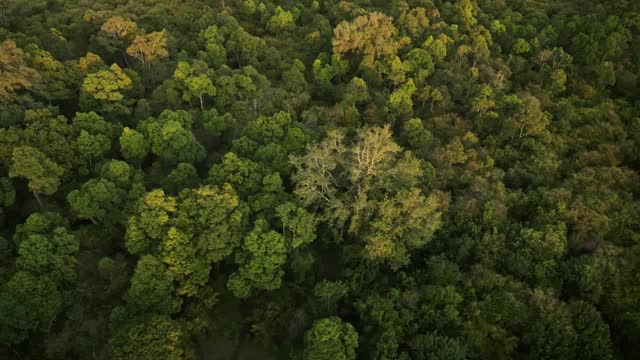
(319, 179)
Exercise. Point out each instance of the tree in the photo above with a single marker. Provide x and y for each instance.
(300, 223)
(146, 228)
(189, 233)
(152, 288)
(57, 81)
(402, 224)
(551, 335)
(215, 54)
(356, 92)
(373, 36)
(42, 173)
(98, 200)
(96, 125)
(199, 86)
(434, 346)
(90, 63)
(331, 292)
(438, 47)
(530, 119)
(521, 46)
(245, 175)
(330, 338)
(415, 22)
(16, 74)
(400, 101)
(182, 177)
(148, 338)
(170, 137)
(118, 33)
(46, 264)
(282, 20)
(373, 163)
(29, 303)
(7, 192)
(294, 80)
(120, 173)
(92, 146)
(45, 247)
(594, 339)
(107, 85)
(245, 48)
(133, 145)
(369, 186)
(467, 12)
(196, 85)
(416, 136)
(264, 254)
(149, 48)
(420, 66)
(606, 75)
(216, 123)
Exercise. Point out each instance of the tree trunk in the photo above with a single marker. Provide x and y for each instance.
(124, 56)
(201, 103)
(35, 193)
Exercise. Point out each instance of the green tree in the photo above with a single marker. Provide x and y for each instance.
(420, 66)
(214, 53)
(107, 85)
(45, 247)
(7, 192)
(297, 222)
(415, 134)
(152, 288)
(521, 46)
(330, 338)
(264, 254)
(29, 303)
(170, 137)
(356, 92)
(402, 224)
(530, 118)
(182, 177)
(189, 233)
(594, 339)
(133, 146)
(150, 337)
(282, 20)
(196, 85)
(98, 200)
(330, 292)
(400, 101)
(42, 173)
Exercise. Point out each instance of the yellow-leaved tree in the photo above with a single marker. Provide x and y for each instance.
(373, 36)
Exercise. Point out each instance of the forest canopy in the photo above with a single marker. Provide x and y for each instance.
(319, 179)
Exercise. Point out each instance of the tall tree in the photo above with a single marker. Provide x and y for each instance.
(118, 33)
(42, 173)
(149, 48)
(373, 36)
(16, 73)
(330, 338)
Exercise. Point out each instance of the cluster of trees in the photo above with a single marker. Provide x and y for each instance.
(319, 179)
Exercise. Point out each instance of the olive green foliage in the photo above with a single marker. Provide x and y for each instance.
(330, 338)
(320, 179)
